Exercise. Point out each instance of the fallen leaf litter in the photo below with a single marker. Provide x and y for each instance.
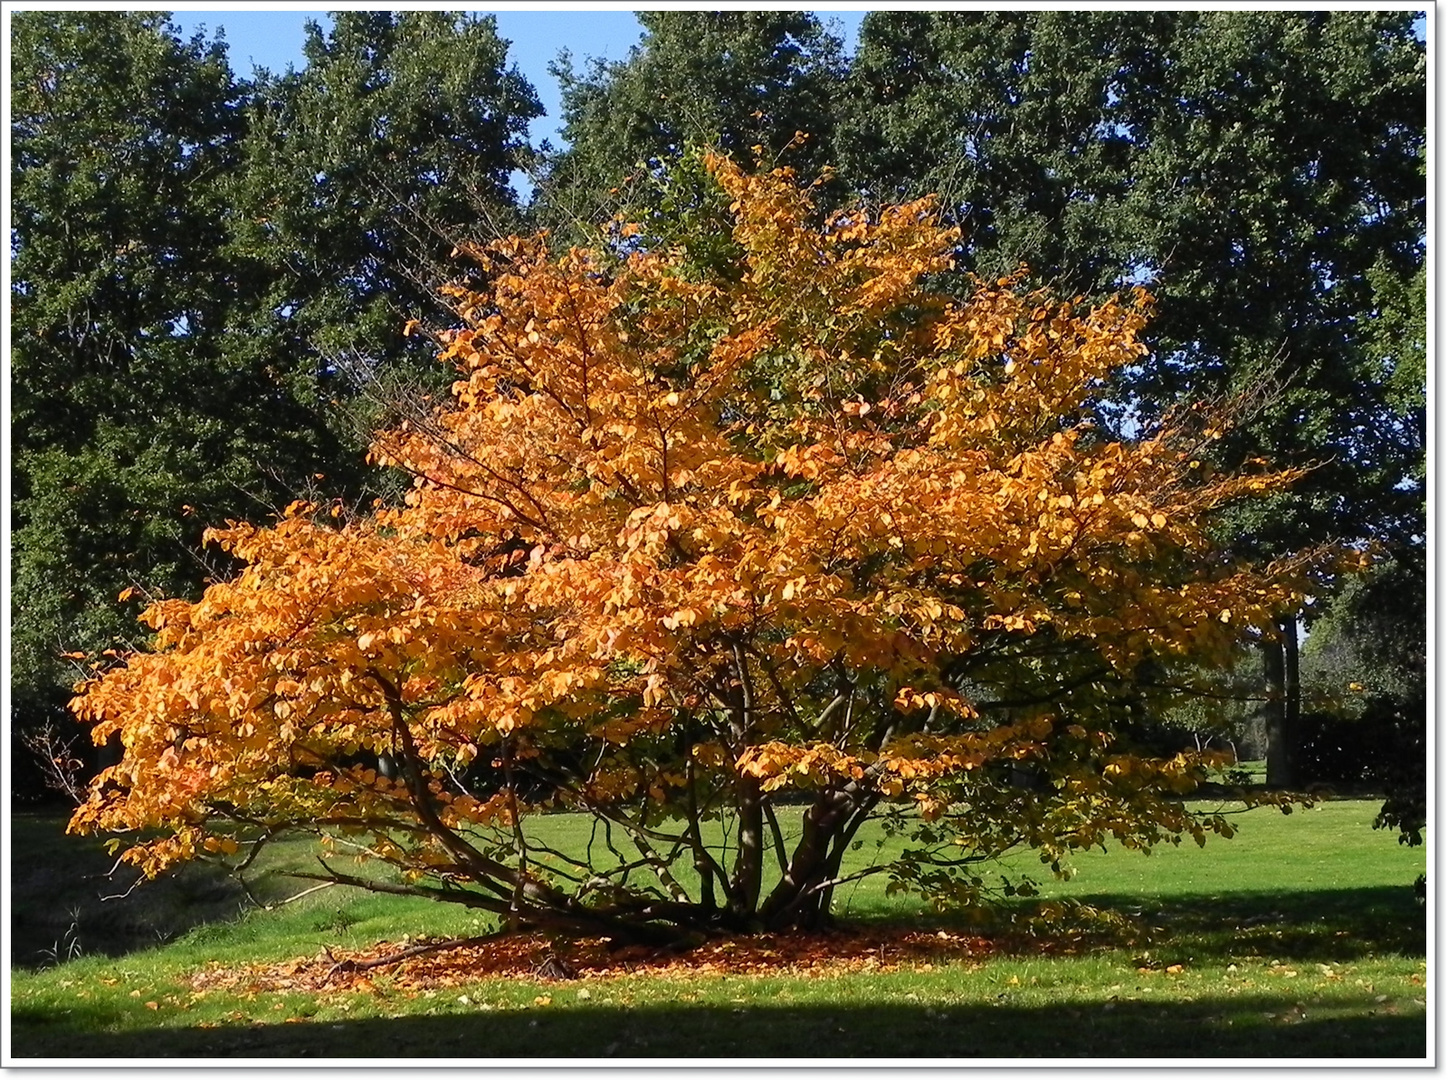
(538, 957)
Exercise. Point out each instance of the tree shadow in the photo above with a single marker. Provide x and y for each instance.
(58, 882)
(1221, 1026)
(65, 903)
(1323, 925)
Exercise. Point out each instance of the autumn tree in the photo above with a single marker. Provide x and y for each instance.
(1262, 171)
(732, 563)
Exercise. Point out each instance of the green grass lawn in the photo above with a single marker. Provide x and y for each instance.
(1298, 938)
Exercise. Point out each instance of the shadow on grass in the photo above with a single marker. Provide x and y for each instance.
(1324, 925)
(58, 882)
(63, 903)
(1226, 1026)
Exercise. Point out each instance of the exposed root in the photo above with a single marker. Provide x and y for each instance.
(350, 964)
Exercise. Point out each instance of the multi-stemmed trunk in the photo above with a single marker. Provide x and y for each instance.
(805, 891)
(725, 899)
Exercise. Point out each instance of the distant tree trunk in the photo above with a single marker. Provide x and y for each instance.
(1291, 698)
(1284, 702)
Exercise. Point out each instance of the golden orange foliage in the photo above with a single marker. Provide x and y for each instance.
(685, 541)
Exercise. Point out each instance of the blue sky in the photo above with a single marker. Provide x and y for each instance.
(272, 38)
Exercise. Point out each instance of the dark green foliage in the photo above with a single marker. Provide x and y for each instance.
(1376, 632)
(1375, 640)
(129, 401)
(394, 143)
(1011, 117)
(1382, 745)
(734, 80)
(194, 259)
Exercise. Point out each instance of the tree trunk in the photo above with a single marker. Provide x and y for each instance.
(1291, 699)
(749, 863)
(703, 865)
(1284, 704)
(843, 838)
(808, 864)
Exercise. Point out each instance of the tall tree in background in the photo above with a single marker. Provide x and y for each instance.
(1263, 170)
(1011, 118)
(362, 171)
(190, 253)
(128, 400)
(734, 80)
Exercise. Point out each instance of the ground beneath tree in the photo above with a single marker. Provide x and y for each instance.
(424, 965)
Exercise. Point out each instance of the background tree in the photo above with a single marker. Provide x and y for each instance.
(693, 553)
(395, 142)
(1374, 643)
(728, 79)
(1017, 120)
(1262, 170)
(128, 401)
(193, 255)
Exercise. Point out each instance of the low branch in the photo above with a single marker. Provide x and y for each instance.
(443, 896)
(298, 896)
(409, 953)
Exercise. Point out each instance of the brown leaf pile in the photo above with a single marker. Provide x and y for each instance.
(538, 957)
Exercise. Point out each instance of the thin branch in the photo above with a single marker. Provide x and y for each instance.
(774, 829)
(480, 865)
(298, 896)
(449, 896)
(520, 842)
(408, 954)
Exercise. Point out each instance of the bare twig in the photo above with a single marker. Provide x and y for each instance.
(59, 763)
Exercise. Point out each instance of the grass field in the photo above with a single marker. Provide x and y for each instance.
(1298, 938)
